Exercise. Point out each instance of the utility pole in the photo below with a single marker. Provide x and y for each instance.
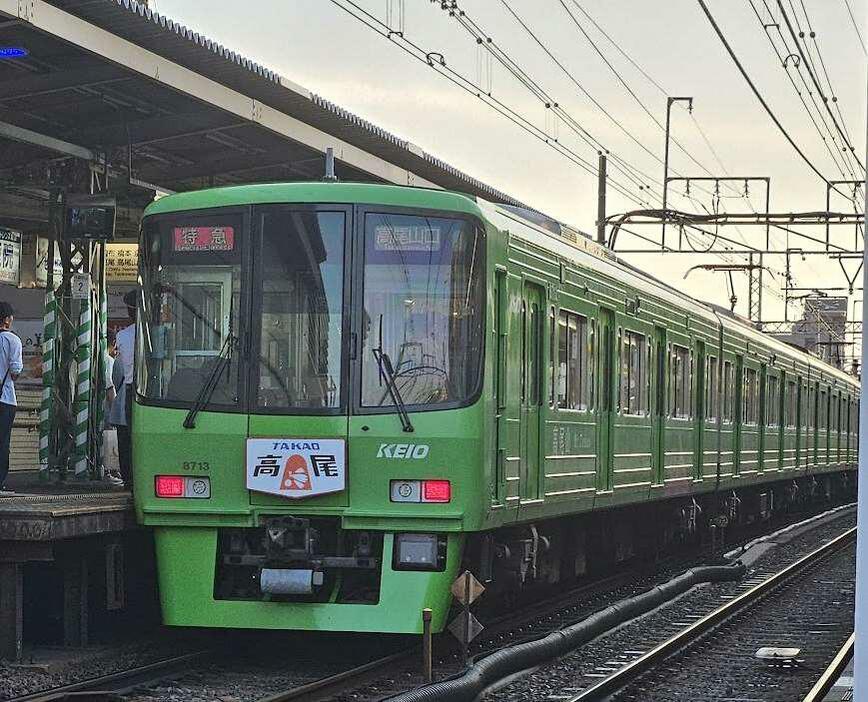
(669, 101)
(601, 199)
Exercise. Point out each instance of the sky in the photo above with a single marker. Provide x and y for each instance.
(320, 46)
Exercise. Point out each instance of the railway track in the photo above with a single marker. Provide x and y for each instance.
(115, 684)
(372, 679)
(653, 674)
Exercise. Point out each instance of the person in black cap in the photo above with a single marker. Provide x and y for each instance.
(126, 344)
(10, 367)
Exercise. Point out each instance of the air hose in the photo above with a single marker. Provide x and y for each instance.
(513, 659)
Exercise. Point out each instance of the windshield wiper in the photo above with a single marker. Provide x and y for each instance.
(207, 390)
(388, 373)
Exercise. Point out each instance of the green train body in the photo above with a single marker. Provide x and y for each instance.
(546, 381)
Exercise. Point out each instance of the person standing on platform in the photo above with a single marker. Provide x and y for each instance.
(123, 404)
(11, 365)
(111, 476)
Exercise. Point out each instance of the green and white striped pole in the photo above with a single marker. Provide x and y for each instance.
(46, 410)
(82, 395)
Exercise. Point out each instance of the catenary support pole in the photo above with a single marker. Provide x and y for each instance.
(860, 660)
(601, 200)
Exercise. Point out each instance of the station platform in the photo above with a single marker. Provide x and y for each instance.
(62, 565)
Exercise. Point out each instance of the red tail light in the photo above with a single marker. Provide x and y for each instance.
(169, 486)
(436, 491)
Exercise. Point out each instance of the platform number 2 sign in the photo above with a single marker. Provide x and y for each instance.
(80, 286)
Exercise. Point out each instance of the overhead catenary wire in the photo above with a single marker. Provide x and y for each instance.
(437, 62)
(628, 88)
(855, 26)
(786, 65)
(759, 96)
(832, 90)
(484, 40)
(664, 93)
(813, 76)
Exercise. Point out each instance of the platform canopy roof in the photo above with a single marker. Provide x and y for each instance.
(156, 104)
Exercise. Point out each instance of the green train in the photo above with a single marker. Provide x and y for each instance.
(346, 393)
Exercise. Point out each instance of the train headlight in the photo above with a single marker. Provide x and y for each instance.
(419, 552)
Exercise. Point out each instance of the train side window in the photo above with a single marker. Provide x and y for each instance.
(823, 411)
(679, 383)
(728, 389)
(552, 360)
(574, 362)
(634, 374)
(711, 389)
(772, 402)
(749, 406)
(811, 407)
(791, 406)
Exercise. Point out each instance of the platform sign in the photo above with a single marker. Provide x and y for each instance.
(80, 288)
(10, 256)
(296, 468)
(122, 262)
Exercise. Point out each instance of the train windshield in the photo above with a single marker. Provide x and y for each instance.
(192, 303)
(299, 306)
(423, 310)
(247, 310)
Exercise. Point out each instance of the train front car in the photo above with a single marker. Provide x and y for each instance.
(308, 429)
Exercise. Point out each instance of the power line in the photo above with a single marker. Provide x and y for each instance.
(437, 62)
(757, 93)
(626, 86)
(663, 92)
(783, 59)
(816, 83)
(856, 26)
(619, 49)
(573, 79)
(816, 44)
(485, 41)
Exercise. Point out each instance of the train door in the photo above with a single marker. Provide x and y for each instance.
(607, 384)
(737, 416)
(501, 330)
(659, 404)
(699, 416)
(532, 368)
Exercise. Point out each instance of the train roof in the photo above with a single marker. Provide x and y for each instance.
(573, 244)
(316, 192)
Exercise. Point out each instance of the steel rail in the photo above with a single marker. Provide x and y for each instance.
(832, 673)
(337, 682)
(115, 683)
(686, 636)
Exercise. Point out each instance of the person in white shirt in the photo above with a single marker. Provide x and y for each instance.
(110, 394)
(126, 342)
(11, 365)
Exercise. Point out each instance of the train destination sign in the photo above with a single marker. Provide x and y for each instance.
(204, 238)
(296, 468)
(409, 238)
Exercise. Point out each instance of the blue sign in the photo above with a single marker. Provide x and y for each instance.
(8, 52)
